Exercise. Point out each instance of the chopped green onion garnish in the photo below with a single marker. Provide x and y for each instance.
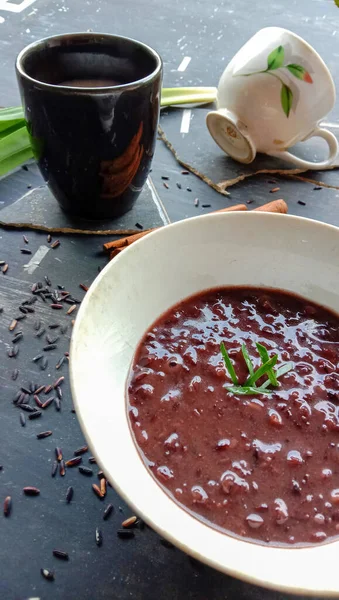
(228, 364)
(265, 357)
(247, 359)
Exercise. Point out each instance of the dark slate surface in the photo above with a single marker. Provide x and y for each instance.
(143, 567)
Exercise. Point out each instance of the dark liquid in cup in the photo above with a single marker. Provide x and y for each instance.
(90, 83)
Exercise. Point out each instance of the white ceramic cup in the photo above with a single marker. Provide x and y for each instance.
(273, 94)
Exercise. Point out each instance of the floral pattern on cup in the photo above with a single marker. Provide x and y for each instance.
(275, 60)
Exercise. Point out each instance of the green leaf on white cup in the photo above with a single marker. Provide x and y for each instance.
(275, 59)
(300, 72)
(286, 97)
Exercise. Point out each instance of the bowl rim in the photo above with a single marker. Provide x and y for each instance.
(239, 574)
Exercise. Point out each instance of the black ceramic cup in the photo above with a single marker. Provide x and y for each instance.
(91, 103)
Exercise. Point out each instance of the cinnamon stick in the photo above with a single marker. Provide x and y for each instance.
(127, 241)
(276, 206)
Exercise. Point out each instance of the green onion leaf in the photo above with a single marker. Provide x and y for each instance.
(247, 390)
(261, 371)
(265, 357)
(284, 369)
(247, 359)
(228, 364)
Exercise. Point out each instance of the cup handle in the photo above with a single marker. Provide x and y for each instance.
(305, 164)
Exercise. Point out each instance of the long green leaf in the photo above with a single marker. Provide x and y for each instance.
(284, 369)
(188, 95)
(10, 117)
(247, 390)
(261, 371)
(228, 364)
(265, 357)
(247, 359)
(15, 160)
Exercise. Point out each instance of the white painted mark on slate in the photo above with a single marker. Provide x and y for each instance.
(184, 63)
(15, 8)
(36, 259)
(186, 120)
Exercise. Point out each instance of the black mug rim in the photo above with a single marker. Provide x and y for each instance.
(39, 44)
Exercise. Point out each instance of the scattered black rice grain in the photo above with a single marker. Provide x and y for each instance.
(49, 238)
(55, 244)
(42, 296)
(125, 534)
(33, 387)
(60, 287)
(86, 471)
(26, 390)
(60, 554)
(206, 206)
(317, 187)
(57, 404)
(37, 358)
(196, 202)
(57, 306)
(13, 324)
(49, 347)
(37, 401)
(108, 511)
(139, 226)
(98, 537)
(17, 337)
(2, 263)
(25, 251)
(29, 309)
(166, 543)
(47, 574)
(62, 469)
(60, 362)
(185, 172)
(59, 392)
(44, 364)
(31, 491)
(40, 333)
(73, 462)
(92, 460)
(22, 419)
(80, 451)
(35, 415)
(47, 279)
(7, 506)
(54, 468)
(249, 201)
(71, 309)
(20, 317)
(47, 402)
(15, 374)
(37, 324)
(83, 287)
(23, 310)
(69, 494)
(43, 434)
(103, 486)
(100, 474)
(58, 454)
(39, 389)
(164, 177)
(17, 397)
(130, 522)
(25, 239)
(27, 408)
(64, 328)
(301, 202)
(48, 389)
(179, 186)
(52, 339)
(54, 325)
(165, 185)
(5, 268)
(58, 382)
(97, 491)
(189, 189)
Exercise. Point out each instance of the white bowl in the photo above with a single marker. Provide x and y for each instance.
(255, 249)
